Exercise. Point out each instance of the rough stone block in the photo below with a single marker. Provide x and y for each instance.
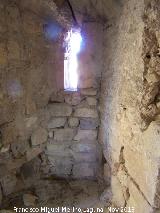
(73, 122)
(64, 134)
(32, 153)
(89, 91)
(86, 113)
(92, 101)
(57, 149)
(59, 110)
(86, 135)
(9, 183)
(84, 147)
(62, 167)
(85, 157)
(84, 170)
(89, 123)
(39, 136)
(56, 122)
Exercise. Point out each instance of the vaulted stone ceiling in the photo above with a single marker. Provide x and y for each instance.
(101, 9)
(94, 9)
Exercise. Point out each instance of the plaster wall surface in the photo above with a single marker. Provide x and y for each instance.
(129, 114)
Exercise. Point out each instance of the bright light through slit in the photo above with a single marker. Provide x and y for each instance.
(72, 41)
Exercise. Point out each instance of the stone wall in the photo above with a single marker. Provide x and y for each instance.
(129, 106)
(44, 131)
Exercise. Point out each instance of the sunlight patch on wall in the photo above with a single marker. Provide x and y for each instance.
(73, 40)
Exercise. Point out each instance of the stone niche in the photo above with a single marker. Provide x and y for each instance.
(44, 131)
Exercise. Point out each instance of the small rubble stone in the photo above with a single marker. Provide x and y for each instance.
(89, 123)
(90, 91)
(86, 134)
(92, 101)
(9, 183)
(73, 122)
(39, 136)
(73, 98)
(59, 110)
(56, 122)
(29, 200)
(5, 148)
(50, 134)
(152, 78)
(86, 113)
(64, 134)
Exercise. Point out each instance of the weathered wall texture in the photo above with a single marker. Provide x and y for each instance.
(130, 106)
(43, 130)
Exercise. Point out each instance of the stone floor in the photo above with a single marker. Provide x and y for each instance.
(58, 193)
